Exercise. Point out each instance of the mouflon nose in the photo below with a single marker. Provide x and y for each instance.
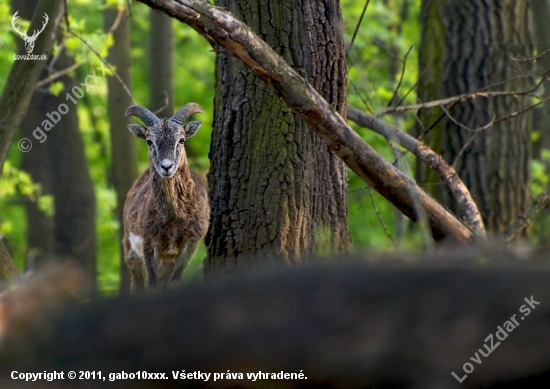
(166, 164)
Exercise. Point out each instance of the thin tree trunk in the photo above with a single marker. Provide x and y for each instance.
(161, 49)
(75, 207)
(123, 151)
(278, 193)
(39, 225)
(40, 228)
(17, 93)
(466, 47)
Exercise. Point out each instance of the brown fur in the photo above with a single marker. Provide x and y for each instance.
(164, 217)
(169, 214)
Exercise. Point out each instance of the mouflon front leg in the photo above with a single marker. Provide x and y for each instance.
(183, 260)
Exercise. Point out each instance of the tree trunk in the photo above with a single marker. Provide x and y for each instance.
(123, 150)
(40, 228)
(224, 31)
(161, 49)
(278, 193)
(466, 47)
(75, 208)
(39, 225)
(18, 89)
(16, 96)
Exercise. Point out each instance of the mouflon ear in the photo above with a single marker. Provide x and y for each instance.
(191, 128)
(137, 130)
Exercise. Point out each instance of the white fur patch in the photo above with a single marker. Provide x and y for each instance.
(136, 243)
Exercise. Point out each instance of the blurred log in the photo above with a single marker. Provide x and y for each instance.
(392, 324)
(37, 295)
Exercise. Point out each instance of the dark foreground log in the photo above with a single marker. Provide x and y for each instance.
(356, 325)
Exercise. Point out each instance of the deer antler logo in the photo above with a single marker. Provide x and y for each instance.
(29, 40)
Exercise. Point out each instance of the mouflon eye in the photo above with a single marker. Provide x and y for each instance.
(149, 143)
(182, 141)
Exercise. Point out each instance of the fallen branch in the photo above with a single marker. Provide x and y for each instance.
(460, 192)
(221, 27)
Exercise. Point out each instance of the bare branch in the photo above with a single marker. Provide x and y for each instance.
(358, 26)
(466, 127)
(532, 59)
(396, 91)
(55, 76)
(526, 218)
(494, 122)
(412, 88)
(463, 97)
(121, 11)
(166, 102)
(302, 98)
(460, 192)
(379, 216)
(107, 65)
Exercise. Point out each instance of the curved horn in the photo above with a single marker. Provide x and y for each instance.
(148, 117)
(186, 111)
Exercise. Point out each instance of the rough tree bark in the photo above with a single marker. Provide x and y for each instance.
(222, 29)
(123, 150)
(277, 191)
(468, 46)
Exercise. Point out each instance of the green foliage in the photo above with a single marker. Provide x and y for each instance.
(375, 62)
(16, 183)
(373, 71)
(539, 174)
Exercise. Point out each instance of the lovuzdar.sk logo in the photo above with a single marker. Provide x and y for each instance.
(29, 40)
